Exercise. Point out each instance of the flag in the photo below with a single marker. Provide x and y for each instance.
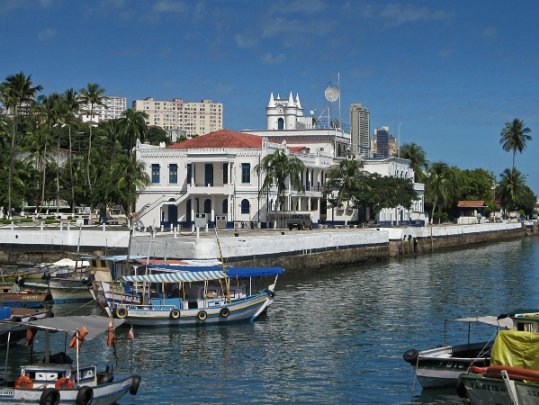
(131, 333)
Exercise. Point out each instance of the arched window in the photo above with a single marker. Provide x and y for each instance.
(225, 206)
(280, 123)
(245, 206)
(207, 206)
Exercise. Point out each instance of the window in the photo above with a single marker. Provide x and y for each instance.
(155, 173)
(245, 206)
(245, 172)
(173, 173)
(207, 206)
(208, 174)
(225, 206)
(225, 173)
(189, 173)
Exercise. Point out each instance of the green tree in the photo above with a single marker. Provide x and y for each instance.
(511, 189)
(69, 109)
(156, 135)
(418, 160)
(92, 95)
(343, 182)
(514, 137)
(133, 127)
(440, 187)
(475, 184)
(279, 167)
(17, 92)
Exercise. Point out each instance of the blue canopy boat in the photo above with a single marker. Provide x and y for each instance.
(197, 295)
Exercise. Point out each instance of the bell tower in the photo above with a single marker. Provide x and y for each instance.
(283, 113)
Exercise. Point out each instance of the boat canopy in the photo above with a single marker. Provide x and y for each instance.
(488, 320)
(96, 325)
(231, 271)
(176, 277)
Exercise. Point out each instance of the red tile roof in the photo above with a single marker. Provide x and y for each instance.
(221, 139)
(471, 204)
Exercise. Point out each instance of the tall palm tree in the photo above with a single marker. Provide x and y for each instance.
(344, 179)
(92, 95)
(17, 91)
(418, 160)
(514, 137)
(440, 186)
(133, 127)
(510, 189)
(48, 112)
(278, 167)
(70, 108)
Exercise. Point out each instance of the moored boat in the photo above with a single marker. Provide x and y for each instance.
(512, 378)
(58, 380)
(182, 296)
(441, 366)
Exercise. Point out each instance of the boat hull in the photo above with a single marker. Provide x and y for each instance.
(482, 390)
(105, 394)
(442, 366)
(247, 309)
(69, 290)
(23, 300)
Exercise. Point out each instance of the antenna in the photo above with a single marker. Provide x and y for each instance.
(339, 86)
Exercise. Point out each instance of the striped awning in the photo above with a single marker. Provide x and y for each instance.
(181, 276)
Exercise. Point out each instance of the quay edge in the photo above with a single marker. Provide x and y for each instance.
(293, 250)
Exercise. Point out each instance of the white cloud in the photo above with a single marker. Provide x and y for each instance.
(47, 34)
(270, 58)
(244, 41)
(7, 6)
(396, 14)
(169, 6)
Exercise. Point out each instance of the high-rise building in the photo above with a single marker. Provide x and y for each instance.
(383, 143)
(360, 128)
(176, 114)
(113, 107)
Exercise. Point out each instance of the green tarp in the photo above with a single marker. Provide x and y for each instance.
(516, 349)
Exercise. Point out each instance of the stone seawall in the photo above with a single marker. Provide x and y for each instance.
(294, 250)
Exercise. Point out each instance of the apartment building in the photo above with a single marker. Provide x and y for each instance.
(113, 107)
(195, 118)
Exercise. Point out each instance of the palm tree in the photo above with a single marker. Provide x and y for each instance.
(133, 127)
(510, 189)
(69, 109)
(418, 160)
(92, 95)
(440, 186)
(48, 112)
(344, 179)
(17, 91)
(278, 167)
(514, 137)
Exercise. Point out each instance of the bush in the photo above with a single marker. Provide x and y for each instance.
(440, 217)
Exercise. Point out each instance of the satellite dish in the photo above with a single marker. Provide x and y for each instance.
(332, 94)
(311, 112)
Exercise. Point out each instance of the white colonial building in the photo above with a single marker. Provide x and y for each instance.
(216, 174)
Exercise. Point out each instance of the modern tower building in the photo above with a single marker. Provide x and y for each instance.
(384, 144)
(195, 118)
(360, 128)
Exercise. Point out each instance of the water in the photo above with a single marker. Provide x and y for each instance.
(335, 337)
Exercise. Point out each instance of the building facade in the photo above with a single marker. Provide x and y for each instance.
(383, 144)
(360, 129)
(177, 115)
(113, 107)
(216, 175)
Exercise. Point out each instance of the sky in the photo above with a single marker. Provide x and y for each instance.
(446, 74)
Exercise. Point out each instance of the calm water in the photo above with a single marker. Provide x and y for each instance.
(331, 338)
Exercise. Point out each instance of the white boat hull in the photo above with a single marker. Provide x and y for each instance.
(247, 309)
(105, 394)
(69, 290)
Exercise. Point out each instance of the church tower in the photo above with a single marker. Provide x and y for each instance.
(283, 113)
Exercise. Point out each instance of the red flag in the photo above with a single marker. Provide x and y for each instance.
(131, 333)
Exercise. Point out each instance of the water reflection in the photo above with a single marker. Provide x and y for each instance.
(333, 337)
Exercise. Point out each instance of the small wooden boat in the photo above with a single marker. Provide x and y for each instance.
(58, 380)
(441, 366)
(184, 296)
(513, 376)
(21, 316)
(24, 299)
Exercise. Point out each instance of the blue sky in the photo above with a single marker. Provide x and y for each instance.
(450, 72)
